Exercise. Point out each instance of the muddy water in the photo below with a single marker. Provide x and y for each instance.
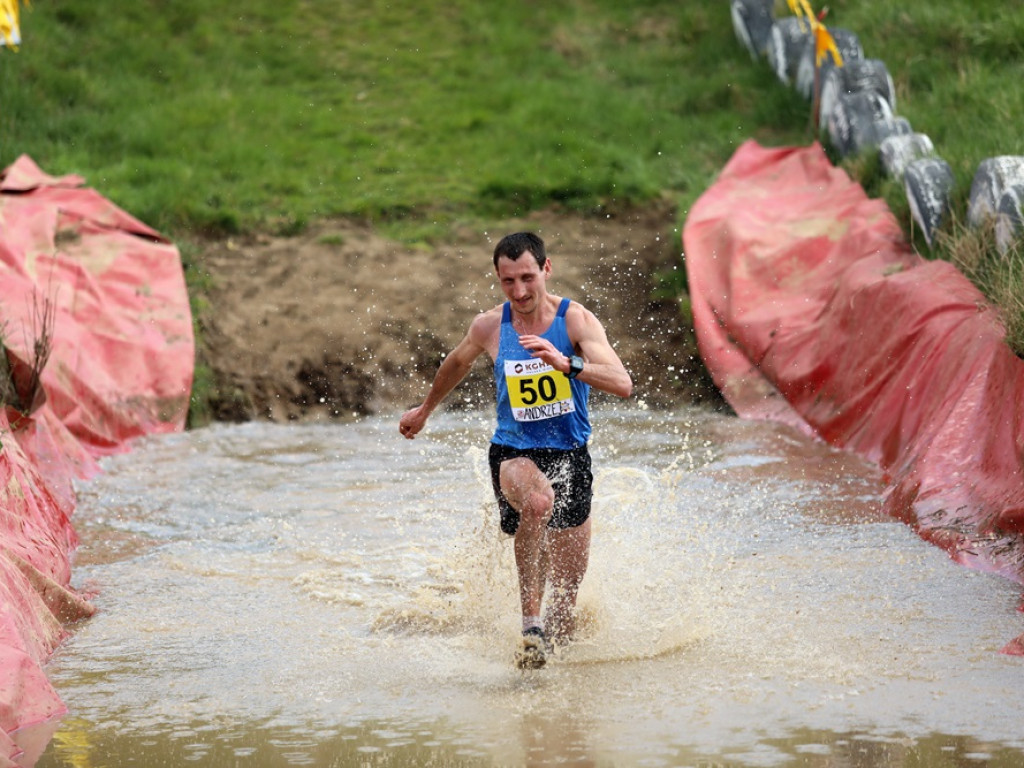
(335, 595)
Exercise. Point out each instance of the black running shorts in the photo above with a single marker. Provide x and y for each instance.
(570, 476)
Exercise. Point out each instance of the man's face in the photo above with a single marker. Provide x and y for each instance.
(523, 282)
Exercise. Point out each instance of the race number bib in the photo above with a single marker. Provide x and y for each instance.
(537, 391)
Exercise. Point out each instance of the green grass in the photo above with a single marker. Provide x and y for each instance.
(216, 117)
(211, 118)
(201, 118)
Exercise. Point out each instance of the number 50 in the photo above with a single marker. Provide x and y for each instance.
(543, 391)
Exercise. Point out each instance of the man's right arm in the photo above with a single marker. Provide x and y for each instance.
(453, 369)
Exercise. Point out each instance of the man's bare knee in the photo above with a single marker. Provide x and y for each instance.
(538, 506)
(527, 490)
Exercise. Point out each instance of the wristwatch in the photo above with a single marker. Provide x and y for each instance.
(575, 366)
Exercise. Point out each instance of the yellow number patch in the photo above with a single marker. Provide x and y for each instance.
(537, 391)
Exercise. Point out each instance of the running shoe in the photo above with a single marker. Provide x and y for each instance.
(533, 653)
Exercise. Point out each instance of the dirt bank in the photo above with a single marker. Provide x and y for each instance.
(341, 321)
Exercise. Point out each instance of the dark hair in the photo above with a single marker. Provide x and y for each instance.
(514, 246)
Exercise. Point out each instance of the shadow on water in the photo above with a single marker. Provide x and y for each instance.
(542, 742)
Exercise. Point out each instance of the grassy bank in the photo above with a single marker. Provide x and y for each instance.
(215, 118)
(219, 117)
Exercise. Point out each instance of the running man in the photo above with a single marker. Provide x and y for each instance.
(548, 352)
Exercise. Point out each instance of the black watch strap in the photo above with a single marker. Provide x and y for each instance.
(575, 366)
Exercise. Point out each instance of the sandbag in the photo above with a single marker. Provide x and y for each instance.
(810, 308)
(122, 357)
(110, 294)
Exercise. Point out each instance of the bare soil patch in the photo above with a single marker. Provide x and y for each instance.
(342, 322)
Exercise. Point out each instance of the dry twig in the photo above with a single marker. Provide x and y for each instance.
(24, 392)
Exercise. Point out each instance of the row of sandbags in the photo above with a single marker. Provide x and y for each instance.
(856, 108)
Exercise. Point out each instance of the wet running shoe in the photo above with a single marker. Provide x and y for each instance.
(533, 653)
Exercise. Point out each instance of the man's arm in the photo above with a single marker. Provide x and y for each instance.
(602, 368)
(453, 369)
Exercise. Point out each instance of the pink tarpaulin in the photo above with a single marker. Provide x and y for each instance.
(112, 293)
(810, 308)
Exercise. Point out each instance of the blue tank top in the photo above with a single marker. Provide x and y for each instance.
(538, 406)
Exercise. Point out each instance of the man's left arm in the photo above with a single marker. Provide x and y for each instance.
(602, 368)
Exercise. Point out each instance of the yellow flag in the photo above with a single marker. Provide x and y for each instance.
(10, 33)
(802, 9)
(825, 44)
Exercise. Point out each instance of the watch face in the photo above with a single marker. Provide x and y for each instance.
(575, 365)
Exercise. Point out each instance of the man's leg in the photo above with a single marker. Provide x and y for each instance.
(569, 553)
(530, 493)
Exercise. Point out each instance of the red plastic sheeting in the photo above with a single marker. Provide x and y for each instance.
(810, 308)
(120, 367)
